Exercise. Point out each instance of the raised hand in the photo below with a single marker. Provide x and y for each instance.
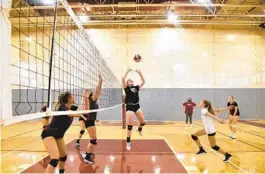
(100, 77)
(129, 69)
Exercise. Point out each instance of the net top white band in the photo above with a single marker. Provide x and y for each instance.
(33, 116)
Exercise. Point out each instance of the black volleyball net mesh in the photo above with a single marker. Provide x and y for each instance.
(76, 61)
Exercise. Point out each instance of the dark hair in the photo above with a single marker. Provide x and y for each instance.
(65, 98)
(59, 101)
(189, 99)
(90, 95)
(209, 106)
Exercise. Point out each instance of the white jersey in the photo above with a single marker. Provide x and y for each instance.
(207, 122)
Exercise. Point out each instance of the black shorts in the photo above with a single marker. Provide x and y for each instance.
(133, 108)
(54, 134)
(213, 134)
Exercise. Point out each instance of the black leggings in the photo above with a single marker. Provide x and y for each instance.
(188, 116)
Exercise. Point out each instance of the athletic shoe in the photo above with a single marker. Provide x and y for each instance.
(140, 133)
(201, 151)
(89, 159)
(128, 146)
(233, 136)
(77, 144)
(227, 157)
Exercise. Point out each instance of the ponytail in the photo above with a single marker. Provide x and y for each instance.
(209, 106)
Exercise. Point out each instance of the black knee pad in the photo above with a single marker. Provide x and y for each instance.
(63, 159)
(194, 137)
(94, 142)
(216, 148)
(90, 123)
(82, 132)
(142, 124)
(54, 162)
(213, 134)
(129, 127)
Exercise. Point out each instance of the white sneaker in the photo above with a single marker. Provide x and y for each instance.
(233, 136)
(128, 146)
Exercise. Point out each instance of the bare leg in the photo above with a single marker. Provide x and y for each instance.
(140, 117)
(52, 149)
(130, 116)
(197, 134)
(82, 131)
(63, 154)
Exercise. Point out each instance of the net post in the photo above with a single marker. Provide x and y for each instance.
(51, 56)
(123, 113)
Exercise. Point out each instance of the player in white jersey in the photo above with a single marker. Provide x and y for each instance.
(207, 115)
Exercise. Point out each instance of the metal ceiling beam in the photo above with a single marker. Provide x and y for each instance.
(130, 22)
(161, 15)
(132, 5)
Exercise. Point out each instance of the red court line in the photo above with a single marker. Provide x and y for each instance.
(146, 156)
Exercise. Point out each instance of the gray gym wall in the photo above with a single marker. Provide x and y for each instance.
(159, 104)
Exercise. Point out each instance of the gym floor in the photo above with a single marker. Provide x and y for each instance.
(165, 147)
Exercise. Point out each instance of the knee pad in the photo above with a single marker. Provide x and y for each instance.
(129, 127)
(142, 124)
(63, 159)
(94, 142)
(54, 162)
(216, 148)
(90, 123)
(82, 132)
(194, 137)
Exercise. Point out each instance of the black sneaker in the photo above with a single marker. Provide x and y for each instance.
(201, 151)
(89, 159)
(77, 144)
(227, 157)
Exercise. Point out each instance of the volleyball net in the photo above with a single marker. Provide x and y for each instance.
(76, 62)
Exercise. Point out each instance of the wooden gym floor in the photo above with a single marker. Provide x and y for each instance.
(22, 149)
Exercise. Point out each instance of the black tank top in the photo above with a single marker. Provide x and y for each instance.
(132, 94)
(60, 124)
(92, 105)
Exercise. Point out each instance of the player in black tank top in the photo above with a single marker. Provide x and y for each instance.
(233, 115)
(132, 104)
(45, 120)
(90, 103)
(53, 133)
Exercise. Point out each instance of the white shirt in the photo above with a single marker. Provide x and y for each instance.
(207, 122)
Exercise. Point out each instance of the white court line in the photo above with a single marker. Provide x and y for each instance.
(41, 158)
(236, 166)
(176, 156)
(20, 148)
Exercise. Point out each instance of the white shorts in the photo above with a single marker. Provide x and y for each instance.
(209, 129)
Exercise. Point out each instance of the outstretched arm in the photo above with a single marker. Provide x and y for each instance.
(214, 117)
(98, 88)
(142, 78)
(223, 109)
(124, 78)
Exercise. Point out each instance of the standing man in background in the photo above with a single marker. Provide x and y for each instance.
(188, 107)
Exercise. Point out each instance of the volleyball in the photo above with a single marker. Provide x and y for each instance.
(137, 58)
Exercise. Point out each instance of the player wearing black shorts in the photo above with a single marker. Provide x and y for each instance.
(53, 134)
(90, 103)
(132, 105)
(234, 114)
(46, 120)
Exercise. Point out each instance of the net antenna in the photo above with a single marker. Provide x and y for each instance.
(49, 103)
